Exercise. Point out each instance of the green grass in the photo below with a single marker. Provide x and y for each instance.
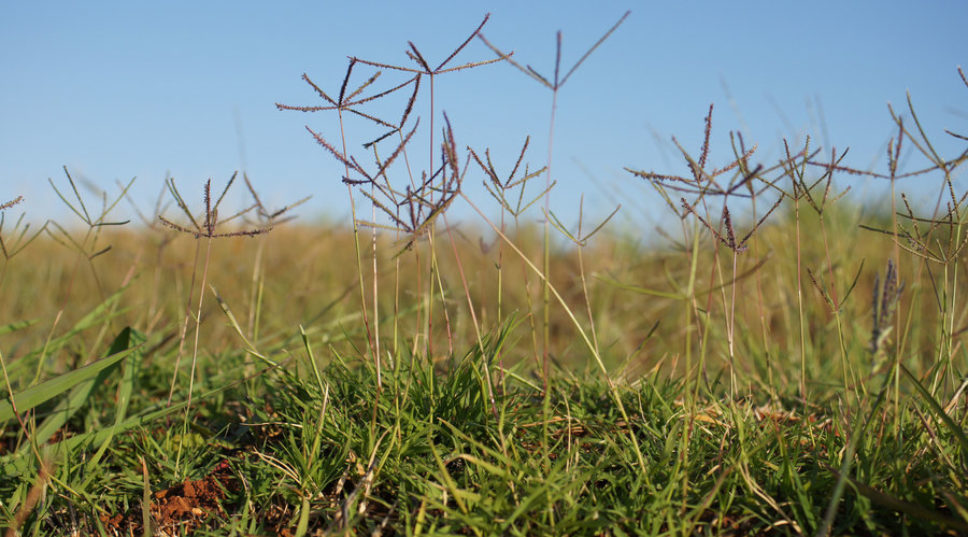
(787, 362)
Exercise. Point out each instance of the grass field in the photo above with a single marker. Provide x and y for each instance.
(782, 359)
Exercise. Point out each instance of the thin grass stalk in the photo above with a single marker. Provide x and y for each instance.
(546, 267)
(946, 168)
(703, 328)
(847, 370)
(500, 276)
(731, 326)
(689, 313)
(690, 295)
(500, 301)
(580, 240)
(376, 296)
(419, 273)
(558, 82)
(24, 427)
(256, 290)
(428, 296)
(432, 258)
(183, 334)
(923, 265)
(956, 231)
(584, 288)
(425, 69)
(760, 303)
(528, 294)
(801, 320)
(359, 258)
(485, 359)
(424, 296)
(396, 308)
(703, 325)
(946, 322)
(717, 270)
(613, 390)
(198, 325)
(830, 293)
(947, 365)
(893, 162)
(546, 295)
(435, 274)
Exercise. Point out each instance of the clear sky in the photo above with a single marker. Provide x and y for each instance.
(115, 90)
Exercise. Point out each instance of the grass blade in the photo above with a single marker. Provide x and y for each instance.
(36, 395)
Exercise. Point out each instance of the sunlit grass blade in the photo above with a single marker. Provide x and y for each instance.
(47, 390)
(937, 410)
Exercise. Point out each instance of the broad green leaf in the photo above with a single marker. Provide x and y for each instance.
(125, 389)
(66, 408)
(45, 391)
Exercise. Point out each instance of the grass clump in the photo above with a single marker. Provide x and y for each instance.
(787, 362)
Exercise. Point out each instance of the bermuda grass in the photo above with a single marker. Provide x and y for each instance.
(779, 359)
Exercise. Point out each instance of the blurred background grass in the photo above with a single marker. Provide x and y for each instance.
(304, 275)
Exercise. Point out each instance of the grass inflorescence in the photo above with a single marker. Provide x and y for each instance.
(789, 361)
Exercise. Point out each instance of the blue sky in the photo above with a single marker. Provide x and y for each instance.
(115, 90)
